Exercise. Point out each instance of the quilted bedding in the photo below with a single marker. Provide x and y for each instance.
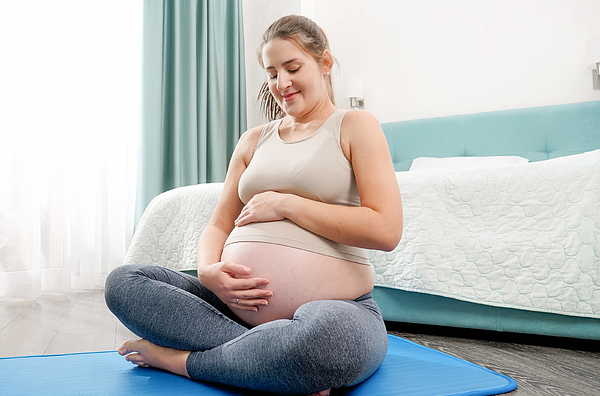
(170, 227)
(522, 236)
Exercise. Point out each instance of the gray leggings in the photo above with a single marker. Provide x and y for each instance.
(328, 344)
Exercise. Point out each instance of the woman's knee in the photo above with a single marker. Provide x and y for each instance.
(116, 284)
(342, 344)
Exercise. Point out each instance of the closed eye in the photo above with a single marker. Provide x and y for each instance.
(274, 76)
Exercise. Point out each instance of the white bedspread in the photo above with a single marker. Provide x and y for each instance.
(522, 236)
(170, 227)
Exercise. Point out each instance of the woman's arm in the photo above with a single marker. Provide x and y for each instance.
(376, 224)
(229, 281)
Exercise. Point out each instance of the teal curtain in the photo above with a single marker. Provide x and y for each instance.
(194, 101)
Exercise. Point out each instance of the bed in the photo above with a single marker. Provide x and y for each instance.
(502, 223)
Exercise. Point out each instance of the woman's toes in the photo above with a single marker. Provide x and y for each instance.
(136, 359)
(124, 349)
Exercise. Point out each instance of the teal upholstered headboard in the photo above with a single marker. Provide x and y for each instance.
(536, 133)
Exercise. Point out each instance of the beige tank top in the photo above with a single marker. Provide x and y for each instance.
(314, 168)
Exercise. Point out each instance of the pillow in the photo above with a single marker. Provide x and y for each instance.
(464, 162)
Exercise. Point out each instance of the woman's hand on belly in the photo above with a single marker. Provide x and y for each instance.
(296, 277)
(262, 207)
(232, 284)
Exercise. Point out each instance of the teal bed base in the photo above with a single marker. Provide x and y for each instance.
(426, 309)
(535, 133)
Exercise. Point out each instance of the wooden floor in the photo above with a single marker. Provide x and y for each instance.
(542, 366)
(81, 322)
(53, 324)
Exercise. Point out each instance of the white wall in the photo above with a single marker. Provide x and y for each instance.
(429, 58)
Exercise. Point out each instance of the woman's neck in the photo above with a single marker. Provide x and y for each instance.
(319, 114)
(296, 128)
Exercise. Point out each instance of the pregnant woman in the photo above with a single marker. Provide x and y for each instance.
(282, 301)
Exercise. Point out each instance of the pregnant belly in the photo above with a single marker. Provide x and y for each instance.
(296, 277)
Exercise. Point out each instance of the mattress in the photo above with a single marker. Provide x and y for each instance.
(521, 236)
(170, 227)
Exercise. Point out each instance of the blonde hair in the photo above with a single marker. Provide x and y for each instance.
(307, 35)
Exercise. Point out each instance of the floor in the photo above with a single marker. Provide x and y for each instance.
(53, 324)
(542, 366)
(81, 322)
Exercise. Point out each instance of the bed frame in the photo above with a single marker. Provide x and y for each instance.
(535, 133)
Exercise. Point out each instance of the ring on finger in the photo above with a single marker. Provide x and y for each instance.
(237, 301)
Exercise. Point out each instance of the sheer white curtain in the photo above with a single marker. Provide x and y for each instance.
(70, 74)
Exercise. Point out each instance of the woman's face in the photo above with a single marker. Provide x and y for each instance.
(296, 80)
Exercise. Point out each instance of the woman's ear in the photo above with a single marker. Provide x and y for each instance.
(327, 62)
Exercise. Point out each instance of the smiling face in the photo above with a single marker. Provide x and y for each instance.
(296, 80)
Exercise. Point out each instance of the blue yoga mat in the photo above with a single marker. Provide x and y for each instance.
(409, 369)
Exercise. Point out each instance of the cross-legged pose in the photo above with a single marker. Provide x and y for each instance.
(282, 302)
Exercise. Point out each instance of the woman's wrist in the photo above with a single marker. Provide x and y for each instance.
(288, 205)
(204, 274)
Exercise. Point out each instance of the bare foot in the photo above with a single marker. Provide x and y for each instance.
(146, 354)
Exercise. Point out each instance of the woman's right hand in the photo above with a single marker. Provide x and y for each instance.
(232, 284)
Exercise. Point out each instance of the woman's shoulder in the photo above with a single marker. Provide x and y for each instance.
(247, 143)
(360, 122)
(253, 133)
(252, 137)
(355, 115)
(257, 131)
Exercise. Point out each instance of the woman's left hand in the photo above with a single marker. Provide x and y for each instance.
(266, 206)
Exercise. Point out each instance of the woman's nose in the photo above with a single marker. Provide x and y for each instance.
(283, 82)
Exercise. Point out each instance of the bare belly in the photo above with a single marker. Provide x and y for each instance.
(296, 277)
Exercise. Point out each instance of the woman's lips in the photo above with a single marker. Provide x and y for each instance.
(290, 96)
